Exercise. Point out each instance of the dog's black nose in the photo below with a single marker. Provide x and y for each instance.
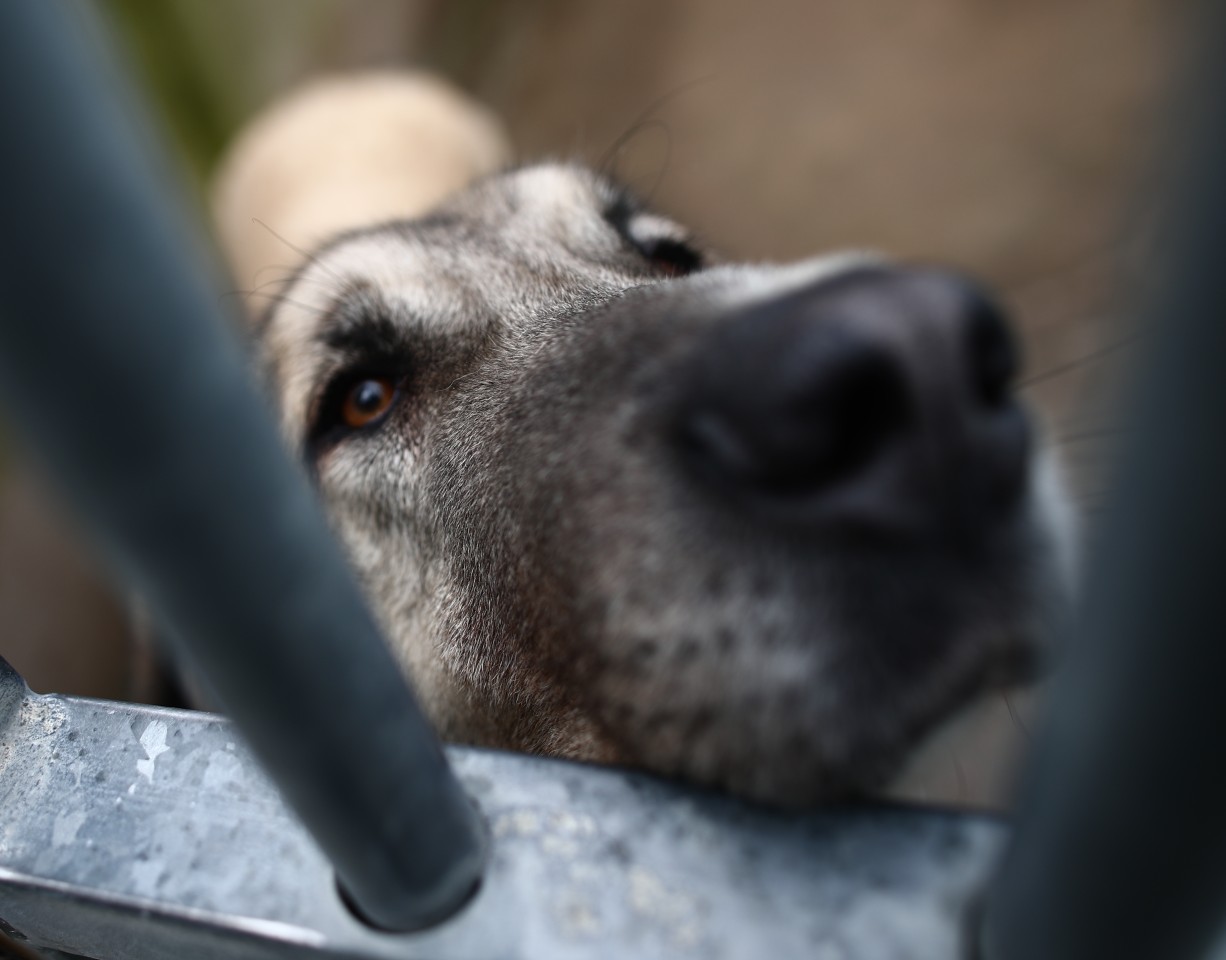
(880, 396)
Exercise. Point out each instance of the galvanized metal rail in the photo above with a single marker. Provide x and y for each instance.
(138, 833)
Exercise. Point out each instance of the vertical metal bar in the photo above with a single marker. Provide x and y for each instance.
(119, 368)
(1121, 851)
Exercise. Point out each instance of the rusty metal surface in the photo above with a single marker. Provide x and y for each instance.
(134, 832)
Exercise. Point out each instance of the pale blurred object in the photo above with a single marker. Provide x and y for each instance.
(345, 152)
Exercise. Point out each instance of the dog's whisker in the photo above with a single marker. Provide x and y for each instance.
(1107, 253)
(282, 282)
(1070, 365)
(1013, 714)
(275, 298)
(244, 295)
(288, 271)
(290, 277)
(606, 165)
(665, 162)
(306, 255)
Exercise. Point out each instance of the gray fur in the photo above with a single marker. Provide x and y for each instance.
(550, 581)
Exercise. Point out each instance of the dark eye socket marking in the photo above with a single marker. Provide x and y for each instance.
(360, 397)
(669, 254)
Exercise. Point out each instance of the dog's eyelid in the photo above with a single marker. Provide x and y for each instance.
(640, 225)
(668, 245)
(647, 227)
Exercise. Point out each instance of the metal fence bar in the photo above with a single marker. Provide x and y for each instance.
(1122, 849)
(118, 366)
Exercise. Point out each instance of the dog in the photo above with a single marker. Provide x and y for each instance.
(763, 527)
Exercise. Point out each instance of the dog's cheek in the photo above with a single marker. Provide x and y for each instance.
(372, 497)
(693, 663)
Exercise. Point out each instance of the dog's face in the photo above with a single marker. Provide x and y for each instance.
(762, 527)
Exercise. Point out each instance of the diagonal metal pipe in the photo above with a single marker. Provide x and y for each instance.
(119, 368)
(1121, 848)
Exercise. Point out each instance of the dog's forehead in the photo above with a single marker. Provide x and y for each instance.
(495, 241)
(555, 200)
(501, 252)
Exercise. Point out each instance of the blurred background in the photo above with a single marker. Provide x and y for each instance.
(1022, 141)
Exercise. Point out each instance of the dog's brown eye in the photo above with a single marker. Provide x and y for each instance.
(367, 401)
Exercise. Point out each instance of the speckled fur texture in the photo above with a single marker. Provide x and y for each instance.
(551, 579)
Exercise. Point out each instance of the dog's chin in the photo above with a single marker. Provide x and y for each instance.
(966, 760)
(801, 740)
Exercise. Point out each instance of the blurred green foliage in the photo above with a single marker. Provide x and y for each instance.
(168, 57)
(173, 63)
(206, 65)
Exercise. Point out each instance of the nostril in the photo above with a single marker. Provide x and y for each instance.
(992, 352)
(823, 416)
(863, 406)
